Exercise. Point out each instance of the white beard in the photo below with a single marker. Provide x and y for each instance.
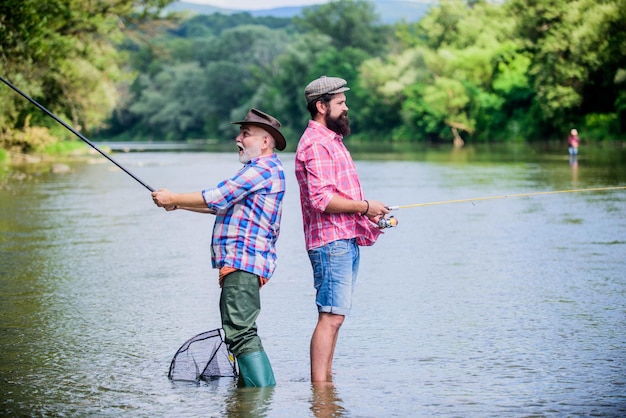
(249, 153)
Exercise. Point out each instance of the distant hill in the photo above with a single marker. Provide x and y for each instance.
(390, 11)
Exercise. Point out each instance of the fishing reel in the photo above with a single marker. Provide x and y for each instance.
(390, 222)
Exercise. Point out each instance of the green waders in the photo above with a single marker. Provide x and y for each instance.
(240, 305)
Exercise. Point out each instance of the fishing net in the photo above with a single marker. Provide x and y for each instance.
(203, 357)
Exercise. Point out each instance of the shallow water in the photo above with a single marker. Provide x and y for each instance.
(504, 307)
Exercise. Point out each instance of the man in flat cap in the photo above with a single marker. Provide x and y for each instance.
(248, 210)
(337, 218)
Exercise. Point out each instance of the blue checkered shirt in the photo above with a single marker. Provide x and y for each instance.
(248, 210)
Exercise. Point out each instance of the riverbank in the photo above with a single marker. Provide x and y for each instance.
(52, 159)
(19, 167)
(59, 157)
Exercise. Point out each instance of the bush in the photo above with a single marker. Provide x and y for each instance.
(27, 140)
(600, 125)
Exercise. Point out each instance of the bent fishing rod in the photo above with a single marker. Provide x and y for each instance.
(392, 221)
(68, 127)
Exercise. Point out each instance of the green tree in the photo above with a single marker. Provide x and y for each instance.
(475, 70)
(283, 94)
(171, 107)
(444, 80)
(191, 97)
(200, 26)
(63, 54)
(383, 86)
(577, 49)
(439, 27)
(349, 23)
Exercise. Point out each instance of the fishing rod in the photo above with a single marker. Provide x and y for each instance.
(475, 199)
(88, 142)
(392, 221)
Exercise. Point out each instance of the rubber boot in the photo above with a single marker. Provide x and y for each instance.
(255, 370)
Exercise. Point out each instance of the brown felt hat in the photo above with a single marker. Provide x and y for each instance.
(324, 85)
(269, 123)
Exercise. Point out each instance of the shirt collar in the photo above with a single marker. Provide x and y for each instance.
(255, 159)
(325, 131)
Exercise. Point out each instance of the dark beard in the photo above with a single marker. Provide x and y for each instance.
(340, 125)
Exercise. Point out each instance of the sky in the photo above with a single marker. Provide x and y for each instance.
(256, 4)
(260, 4)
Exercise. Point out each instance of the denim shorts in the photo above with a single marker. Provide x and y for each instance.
(335, 267)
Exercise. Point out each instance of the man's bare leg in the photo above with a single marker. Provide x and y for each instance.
(332, 356)
(323, 344)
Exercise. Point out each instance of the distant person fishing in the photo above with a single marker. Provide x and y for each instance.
(573, 141)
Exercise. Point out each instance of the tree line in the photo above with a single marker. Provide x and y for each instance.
(472, 71)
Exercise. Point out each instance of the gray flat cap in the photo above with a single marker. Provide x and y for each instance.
(324, 85)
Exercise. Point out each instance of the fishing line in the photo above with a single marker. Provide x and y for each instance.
(88, 142)
(475, 199)
(393, 221)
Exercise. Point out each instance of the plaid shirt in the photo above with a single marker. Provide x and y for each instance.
(248, 211)
(324, 168)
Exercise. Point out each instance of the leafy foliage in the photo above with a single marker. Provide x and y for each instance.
(573, 45)
(476, 70)
(349, 23)
(62, 53)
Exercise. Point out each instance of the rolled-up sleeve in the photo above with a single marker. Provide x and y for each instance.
(231, 191)
(320, 171)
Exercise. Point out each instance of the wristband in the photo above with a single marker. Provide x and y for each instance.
(367, 209)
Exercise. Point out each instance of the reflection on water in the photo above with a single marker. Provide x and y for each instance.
(511, 307)
(573, 163)
(249, 402)
(325, 402)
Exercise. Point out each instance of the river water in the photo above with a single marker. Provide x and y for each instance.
(506, 307)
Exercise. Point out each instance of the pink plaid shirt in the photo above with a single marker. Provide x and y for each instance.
(324, 168)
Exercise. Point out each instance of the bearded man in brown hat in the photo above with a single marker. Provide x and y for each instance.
(248, 210)
(336, 216)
